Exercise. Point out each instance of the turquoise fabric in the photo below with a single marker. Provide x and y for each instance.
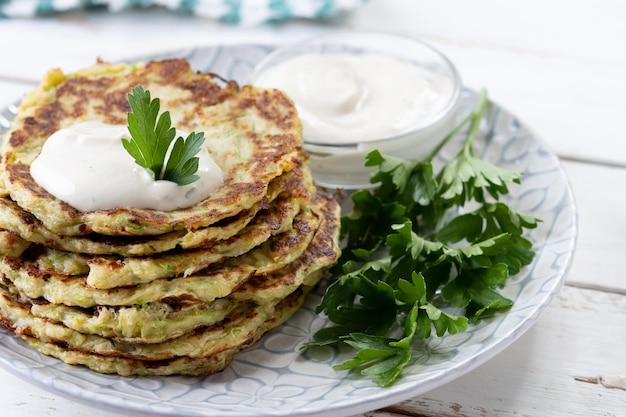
(234, 11)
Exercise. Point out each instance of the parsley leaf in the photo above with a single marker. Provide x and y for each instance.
(151, 138)
(425, 252)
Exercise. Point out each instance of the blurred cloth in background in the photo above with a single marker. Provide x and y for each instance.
(245, 12)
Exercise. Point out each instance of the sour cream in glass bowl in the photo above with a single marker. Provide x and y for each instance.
(360, 91)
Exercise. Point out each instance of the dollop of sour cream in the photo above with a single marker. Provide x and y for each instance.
(345, 98)
(86, 166)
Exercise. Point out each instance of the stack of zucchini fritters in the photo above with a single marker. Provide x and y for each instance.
(146, 292)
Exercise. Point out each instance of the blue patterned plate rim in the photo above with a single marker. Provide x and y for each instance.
(274, 378)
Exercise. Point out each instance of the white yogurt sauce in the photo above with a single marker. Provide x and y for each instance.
(343, 98)
(86, 166)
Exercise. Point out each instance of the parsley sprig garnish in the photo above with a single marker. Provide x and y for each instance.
(418, 248)
(151, 137)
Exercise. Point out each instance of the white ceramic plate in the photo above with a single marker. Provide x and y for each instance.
(274, 378)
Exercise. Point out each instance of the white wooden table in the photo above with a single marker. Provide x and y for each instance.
(560, 66)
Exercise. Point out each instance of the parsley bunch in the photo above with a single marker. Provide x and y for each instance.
(416, 246)
(151, 139)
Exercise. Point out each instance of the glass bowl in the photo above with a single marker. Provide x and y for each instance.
(339, 163)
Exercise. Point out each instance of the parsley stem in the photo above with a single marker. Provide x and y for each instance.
(474, 118)
(449, 136)
(477, 116)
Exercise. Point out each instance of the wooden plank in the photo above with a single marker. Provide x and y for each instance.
(82, 37)
(598, 261)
